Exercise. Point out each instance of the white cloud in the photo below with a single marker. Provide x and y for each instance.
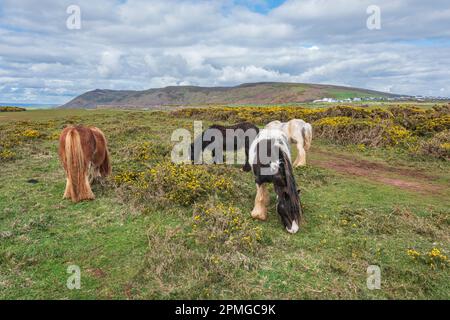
(109, 63)
(141, 44)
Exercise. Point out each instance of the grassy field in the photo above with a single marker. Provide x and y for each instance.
(144, 239)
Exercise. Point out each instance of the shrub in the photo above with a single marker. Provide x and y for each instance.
(438, 146)
(394, 135)
(30, 133)
(9, 141)
(179, 183)
(334, 122)
(366, 127)
(127, 177)
(150, 151)
(433, 125)
(6, 155)
(372, 133)
(408, 117)
(435, 257)
(440, 110)
(218, 224)
(11, 109)
(257, 115)
(356, 112)
(263, 115)
(54, 135)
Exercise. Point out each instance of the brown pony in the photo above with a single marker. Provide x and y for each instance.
(84, 154)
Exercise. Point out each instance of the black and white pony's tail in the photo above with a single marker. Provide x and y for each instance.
(291, 192)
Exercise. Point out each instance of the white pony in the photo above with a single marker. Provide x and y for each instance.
(299, 133)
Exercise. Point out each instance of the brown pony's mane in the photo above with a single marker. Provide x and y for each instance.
(84, 154)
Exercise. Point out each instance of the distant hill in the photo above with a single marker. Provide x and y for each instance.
(250, 93)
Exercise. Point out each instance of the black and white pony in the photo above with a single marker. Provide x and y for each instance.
(270, 159)
(219, 139)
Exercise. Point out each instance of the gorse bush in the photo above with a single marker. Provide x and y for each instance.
(394, 135)
(438, 146)
(263, 115)
(127, 177)
(17, 137)
(184, 184)
(217, 225)
(408, 117)
(11, 109)
(179, 183)
(433, 125)
(14, 137)
(366, 127)
(372, 133)
(355, 112)
(422, 121)
(435, 258)
(257, 115)
(6, 155)
(30, 133)
(150, 151)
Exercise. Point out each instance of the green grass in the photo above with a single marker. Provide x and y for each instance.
(137, 250)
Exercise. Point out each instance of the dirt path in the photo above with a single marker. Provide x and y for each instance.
(404, 178)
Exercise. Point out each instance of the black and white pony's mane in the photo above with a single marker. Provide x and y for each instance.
(270, 158)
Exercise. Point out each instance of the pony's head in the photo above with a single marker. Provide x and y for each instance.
(289, 209)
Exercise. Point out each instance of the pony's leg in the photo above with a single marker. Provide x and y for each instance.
(67, 192)
(261, 202)
(97, 173)
(91, 173)
(94, 173)
(87, 193)
(84, 189)
(301, 157)
(246, 166)
(213, 154)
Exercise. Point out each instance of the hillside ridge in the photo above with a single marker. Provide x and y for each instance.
(246, 93)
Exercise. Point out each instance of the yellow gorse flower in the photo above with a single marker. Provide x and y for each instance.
(30, 133)
(413, 253)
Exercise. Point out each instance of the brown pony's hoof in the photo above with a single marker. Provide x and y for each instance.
(246, 168)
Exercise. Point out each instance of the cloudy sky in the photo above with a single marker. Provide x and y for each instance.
(139, 44)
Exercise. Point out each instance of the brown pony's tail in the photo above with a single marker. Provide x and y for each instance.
(76, 167)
